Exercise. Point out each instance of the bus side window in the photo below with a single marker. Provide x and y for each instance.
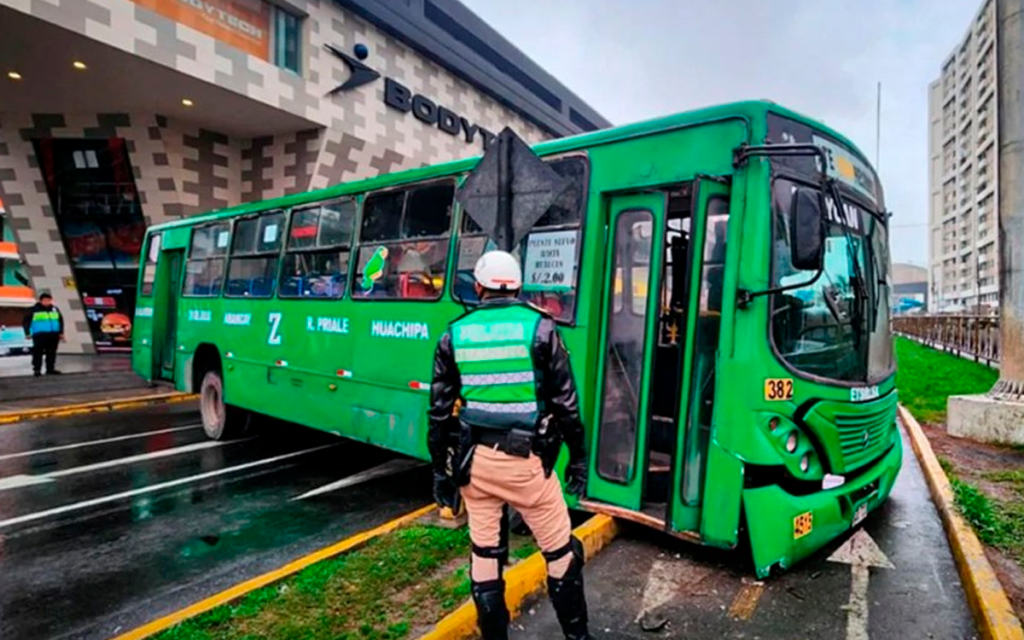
(204, 272)
(403, 244)
(149, 268)
(318, 251)
(254, 254)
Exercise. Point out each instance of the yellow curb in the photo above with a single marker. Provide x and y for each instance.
(293, 567)
(94, 407)
(992, 611)
(523, 580)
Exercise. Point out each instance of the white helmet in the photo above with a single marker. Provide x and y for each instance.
(498, 271)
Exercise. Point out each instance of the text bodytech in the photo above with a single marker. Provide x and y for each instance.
(398, 96)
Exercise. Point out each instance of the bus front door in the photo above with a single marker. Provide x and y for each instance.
(631, 307)
(165, 313)
(699, 333)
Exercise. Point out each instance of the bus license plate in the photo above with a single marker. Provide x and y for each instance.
(860, 514)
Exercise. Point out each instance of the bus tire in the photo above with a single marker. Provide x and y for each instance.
(220, 421)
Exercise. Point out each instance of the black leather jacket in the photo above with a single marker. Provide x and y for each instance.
(556, 391)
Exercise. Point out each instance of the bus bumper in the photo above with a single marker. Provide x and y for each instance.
(784, 528)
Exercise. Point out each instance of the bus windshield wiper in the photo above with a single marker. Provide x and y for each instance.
(860, 292)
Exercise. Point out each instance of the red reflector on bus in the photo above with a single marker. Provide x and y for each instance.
(343, 373)
(419, 386)
(281, 363)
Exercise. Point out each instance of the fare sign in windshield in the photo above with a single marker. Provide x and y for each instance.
(847, 168)
(843, 163)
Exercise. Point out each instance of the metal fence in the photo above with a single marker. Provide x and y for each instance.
(975, 337)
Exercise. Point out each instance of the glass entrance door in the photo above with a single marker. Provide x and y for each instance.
(99, 216)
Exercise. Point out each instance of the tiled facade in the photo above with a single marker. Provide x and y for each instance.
(964, 173)
(181, 168)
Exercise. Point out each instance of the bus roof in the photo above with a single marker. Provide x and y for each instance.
(751, 110)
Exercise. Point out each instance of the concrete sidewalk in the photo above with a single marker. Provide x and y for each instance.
(646, 585)
(85, 378)
(21, 365)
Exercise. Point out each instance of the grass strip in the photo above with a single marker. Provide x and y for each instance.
(396, 584)
(998, 523)
(926, 377)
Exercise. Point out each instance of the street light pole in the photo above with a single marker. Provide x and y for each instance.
(1010, 91)
(998, 416)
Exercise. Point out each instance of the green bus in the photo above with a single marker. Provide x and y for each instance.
(720, 278)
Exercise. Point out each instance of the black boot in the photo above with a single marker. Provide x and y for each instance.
(491, 612)
(568, 599)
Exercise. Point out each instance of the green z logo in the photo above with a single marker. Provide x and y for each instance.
(274, 319)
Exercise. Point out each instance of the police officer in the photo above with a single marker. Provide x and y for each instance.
(45, 325)
(505, 366)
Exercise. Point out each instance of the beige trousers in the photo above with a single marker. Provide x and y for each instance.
(497, 478)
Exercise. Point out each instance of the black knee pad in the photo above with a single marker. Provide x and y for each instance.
(575, 547)
(491, 612)
(566, 593)
(499, 553)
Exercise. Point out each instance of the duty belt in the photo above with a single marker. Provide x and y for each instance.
(514, 442)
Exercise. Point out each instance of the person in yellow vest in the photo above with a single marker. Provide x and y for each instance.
(45, 325)
(502, 368)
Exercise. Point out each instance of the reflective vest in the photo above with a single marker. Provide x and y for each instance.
(44, 321)
(493, 349)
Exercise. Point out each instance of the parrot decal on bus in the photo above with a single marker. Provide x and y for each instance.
(375, 268)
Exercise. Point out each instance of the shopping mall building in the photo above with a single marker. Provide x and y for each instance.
(118, 114)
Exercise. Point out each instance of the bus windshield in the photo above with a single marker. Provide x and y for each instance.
(836, 326)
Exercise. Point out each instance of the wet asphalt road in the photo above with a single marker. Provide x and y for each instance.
(676, 590)
(109, 521)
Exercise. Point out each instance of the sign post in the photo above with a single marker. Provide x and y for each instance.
(509, 190)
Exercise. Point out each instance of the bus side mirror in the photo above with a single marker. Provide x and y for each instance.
(807, 232)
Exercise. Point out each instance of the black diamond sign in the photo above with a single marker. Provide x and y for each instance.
(509, 190)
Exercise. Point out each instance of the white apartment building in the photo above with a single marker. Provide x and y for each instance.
(964, 173)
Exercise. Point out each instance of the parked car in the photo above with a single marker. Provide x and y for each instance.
(13, 341)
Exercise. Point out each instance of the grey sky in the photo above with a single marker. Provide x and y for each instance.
(637, 59)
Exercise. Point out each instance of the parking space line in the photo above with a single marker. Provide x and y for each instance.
(391, 467)
(745, 603)
(90, 443)
(151, 488)
(17, 481)
(142, 457)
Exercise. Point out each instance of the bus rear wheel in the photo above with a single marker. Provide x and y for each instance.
(220, 421)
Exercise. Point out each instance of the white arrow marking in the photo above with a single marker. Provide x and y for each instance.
(861, 553)
(388, 468)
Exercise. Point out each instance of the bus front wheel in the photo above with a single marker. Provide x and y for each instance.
(220, 421)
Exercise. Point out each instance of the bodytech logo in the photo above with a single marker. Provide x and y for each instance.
(401, 98)
(358, 73)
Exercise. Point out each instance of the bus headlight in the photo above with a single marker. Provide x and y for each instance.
(805, 463)
(791, 441)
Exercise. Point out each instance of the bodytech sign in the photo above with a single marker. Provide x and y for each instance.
(401, 98)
